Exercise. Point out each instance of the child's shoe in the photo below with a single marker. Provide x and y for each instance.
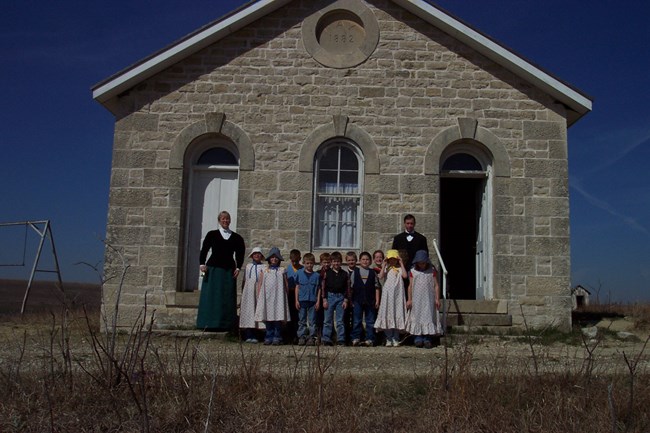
(311, 342)
(277, 342)
(395, 343)
(428, 344)
(302, 341)
(418, 343)
(389, 343)
(356, 342)
(368, 343)
(267, 342)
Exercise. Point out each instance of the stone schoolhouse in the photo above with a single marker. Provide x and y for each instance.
(318, 125)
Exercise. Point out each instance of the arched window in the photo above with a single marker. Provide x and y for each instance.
(461, 162)
(217, 156)
(337, 186)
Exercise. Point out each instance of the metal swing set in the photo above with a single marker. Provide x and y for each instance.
(44, 231)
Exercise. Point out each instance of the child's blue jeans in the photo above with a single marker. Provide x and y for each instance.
(391, 334)
(307, 318)
(359, 311)
(335, 306)
(273, 331)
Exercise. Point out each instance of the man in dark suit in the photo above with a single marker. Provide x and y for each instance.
(410, 240)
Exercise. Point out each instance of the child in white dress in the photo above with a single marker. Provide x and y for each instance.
(391, 317)
(272, 305)
(252, 275)
(423, 320)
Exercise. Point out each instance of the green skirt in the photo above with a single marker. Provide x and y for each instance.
(218, 301)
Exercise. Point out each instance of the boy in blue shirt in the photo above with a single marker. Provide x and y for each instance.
(307, 300)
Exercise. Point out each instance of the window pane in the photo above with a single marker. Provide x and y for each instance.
(337, 225)
(349, 182)
(349, 160)
(329, 159)
(217, 156)
(462, 161)
(327, 182)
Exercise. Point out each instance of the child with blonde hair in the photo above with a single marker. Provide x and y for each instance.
(391, 317)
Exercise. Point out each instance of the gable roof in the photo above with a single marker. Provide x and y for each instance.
(579, 288)
(577, 103)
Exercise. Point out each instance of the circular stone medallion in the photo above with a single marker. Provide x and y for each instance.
(342, 35)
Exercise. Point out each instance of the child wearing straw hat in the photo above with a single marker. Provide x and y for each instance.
(391, 317)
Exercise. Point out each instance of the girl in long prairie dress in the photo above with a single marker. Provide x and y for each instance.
(423, 320)
(391, 317)
(272, 305)
(252, 276)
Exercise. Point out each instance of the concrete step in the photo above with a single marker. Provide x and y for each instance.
(477, 307)
(478, 320)
(184, 299)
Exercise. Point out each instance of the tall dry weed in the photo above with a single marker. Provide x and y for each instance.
(79, 379)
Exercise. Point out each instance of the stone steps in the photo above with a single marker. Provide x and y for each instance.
(459, 312)
(478, 320)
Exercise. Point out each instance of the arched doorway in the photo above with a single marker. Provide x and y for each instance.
(213, 185)
(466, 221)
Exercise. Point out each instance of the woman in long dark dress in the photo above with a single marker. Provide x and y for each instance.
(218, 300)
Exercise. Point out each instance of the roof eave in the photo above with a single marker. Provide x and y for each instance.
(122, 81)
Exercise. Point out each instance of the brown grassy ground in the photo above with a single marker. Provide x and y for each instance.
(45, 295)
(57, 373)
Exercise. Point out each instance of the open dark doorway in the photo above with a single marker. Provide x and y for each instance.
(459, 225)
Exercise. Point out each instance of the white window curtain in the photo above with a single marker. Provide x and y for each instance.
(338, 201)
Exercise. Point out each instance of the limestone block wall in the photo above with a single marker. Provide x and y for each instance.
(417, 83)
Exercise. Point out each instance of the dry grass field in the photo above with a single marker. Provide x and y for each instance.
(58, 373)
(44, 295)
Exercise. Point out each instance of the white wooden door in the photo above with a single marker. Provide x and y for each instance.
(211, 192)
(483, 244)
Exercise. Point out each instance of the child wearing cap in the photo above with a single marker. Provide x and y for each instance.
(391, 317)
(423, 303)
(252, 275)
(272, 306)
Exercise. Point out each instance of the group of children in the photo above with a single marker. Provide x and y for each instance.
(332, 304)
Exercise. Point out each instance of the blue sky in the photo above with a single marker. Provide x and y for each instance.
(56, 141)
